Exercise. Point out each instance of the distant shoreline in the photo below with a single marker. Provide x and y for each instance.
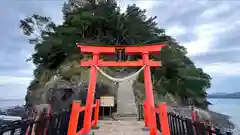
(219, 97)
(235, 95)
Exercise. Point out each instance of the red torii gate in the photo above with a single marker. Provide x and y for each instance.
(96, 51)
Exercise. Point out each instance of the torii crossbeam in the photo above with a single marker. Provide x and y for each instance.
(96, 51)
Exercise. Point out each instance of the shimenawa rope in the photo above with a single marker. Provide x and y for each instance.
(119, 79)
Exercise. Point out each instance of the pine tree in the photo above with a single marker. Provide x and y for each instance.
(104, 24)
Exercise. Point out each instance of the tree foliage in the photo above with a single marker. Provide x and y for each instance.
(104, 24)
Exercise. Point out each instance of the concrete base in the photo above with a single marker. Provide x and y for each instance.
(145, 129)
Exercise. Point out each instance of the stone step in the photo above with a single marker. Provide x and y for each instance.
(129, 127)
(126, 119)
(128, 105)
(126, 99)
(131, 101)
(127, 115)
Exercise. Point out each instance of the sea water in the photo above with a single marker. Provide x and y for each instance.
(230, 107)
(9, 103)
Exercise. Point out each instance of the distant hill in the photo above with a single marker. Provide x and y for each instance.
(224, 95)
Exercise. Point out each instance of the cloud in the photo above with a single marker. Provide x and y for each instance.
(146, 4)
(210, 32)
(227, 55)
(208, 29)
(14, 80)
(13, 91)
(176, 31)
(213, 12)
(223, 69)
(143, 4)
(15, 72)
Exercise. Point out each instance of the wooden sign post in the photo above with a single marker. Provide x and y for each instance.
(107, 101)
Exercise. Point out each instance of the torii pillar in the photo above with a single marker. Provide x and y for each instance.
(96, 51)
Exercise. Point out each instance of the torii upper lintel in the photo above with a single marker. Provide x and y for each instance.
(154, 48)
(97, 50)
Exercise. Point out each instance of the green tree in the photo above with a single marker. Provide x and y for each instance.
(104, 24)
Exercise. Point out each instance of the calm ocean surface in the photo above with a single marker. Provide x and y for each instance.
(230, 107)
(8, 103)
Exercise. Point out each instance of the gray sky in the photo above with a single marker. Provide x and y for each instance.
(208, 29)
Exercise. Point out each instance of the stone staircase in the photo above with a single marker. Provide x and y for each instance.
(126, 100)
(120, 128)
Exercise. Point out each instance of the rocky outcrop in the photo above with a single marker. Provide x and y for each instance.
(171, 100)
(177, 106)
(69, 83)
(205, 116)
(139, 92)
(14, 111)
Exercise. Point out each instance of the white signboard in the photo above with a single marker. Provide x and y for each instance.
(107, 101)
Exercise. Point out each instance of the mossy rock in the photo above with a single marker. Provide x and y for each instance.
(72, 71)
(139, 91)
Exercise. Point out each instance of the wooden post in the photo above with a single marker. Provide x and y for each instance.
(110, 111)
(90, 97)
(72, 129)
(103, 112)
(163, 119)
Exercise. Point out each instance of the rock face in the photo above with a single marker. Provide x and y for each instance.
(208, 117)
(68, 85)
(175, 105)
(15, 111)
(139, 91)
(171, 100)
(64, 97)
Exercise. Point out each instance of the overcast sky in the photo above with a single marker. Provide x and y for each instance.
(208, 29)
